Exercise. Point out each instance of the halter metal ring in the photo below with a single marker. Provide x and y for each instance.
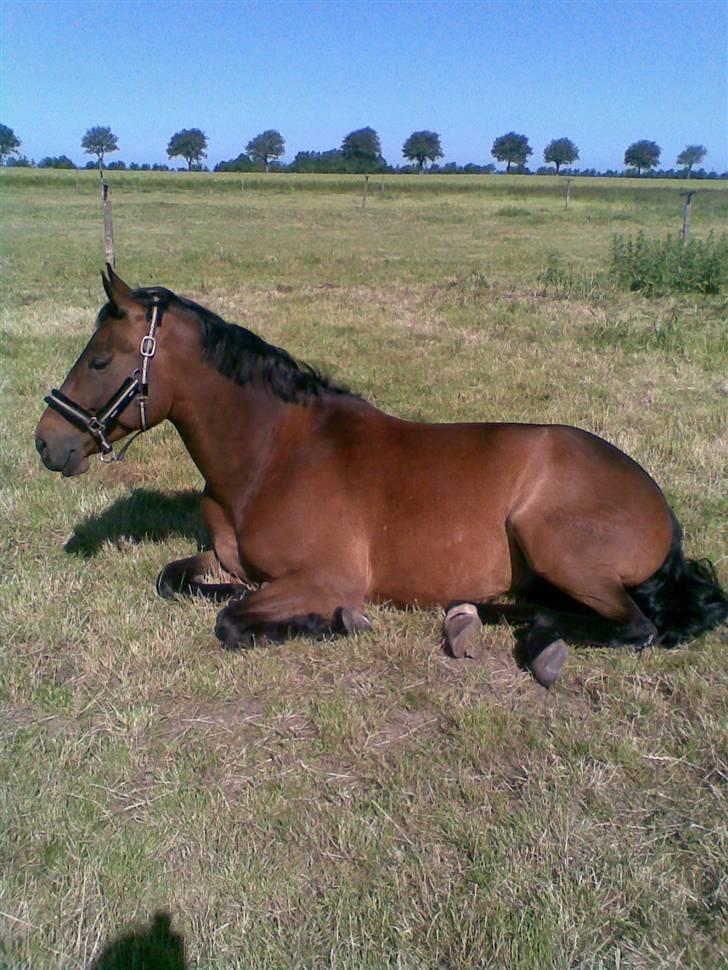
(148, 347)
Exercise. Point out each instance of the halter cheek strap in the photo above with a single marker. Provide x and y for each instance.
(100, 424)
(147, 350)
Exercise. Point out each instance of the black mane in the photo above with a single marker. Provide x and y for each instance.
(242, 356)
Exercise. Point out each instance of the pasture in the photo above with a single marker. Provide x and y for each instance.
(366, 803)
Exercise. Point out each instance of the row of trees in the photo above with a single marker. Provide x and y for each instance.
(360, 151)
(189, 143)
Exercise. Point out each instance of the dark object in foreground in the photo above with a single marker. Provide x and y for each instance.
(325, 502)
(156, 947)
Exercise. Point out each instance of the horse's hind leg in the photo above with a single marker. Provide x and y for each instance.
(616, 622)
(297, 604)
(583, 556)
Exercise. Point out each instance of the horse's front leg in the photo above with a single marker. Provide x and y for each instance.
(299, 604)
(183, 577)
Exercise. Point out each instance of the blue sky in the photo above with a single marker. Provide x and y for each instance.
(602, 73)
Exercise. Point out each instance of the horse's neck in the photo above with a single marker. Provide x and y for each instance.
(228, 429)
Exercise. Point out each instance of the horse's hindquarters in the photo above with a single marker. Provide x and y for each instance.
(480, 509)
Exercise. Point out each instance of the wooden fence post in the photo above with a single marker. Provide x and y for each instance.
(366, 190)
(685, 231)
(108, 221)
(567, 199)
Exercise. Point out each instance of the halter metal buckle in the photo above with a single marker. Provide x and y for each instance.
(148, 347)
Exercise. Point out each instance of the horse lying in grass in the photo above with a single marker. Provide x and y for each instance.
(323, 502)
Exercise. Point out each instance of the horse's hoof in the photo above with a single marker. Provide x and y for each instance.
(546, 666)
(462, 630)
(164, 588)
(232, 646)
(352, 621)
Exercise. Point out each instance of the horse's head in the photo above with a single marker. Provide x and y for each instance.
(110, 390)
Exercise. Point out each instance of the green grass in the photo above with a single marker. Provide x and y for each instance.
(369, 803)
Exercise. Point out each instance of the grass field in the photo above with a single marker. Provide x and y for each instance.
(370, 803)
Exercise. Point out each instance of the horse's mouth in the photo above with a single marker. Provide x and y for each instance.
(76, 465)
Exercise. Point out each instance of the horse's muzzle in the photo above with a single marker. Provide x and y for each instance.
(61, 457)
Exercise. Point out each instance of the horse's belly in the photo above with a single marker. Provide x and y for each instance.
(426, 570)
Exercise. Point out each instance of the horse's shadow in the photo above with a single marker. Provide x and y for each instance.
(153, 947)
(147, 515)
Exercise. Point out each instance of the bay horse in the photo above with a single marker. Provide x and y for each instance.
(321, 502)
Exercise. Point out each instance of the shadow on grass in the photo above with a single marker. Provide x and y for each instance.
(144, 516)
(155, 947)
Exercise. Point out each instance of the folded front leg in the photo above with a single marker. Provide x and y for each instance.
(298, 604)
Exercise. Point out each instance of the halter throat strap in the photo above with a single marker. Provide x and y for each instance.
(100, 424)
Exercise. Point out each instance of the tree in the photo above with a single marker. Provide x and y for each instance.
(422, 146)
(98, 141)
(642, 154)
(240, 164)
(362, 145)
(190, 144)
(331, 162)
(692, 155)
(9, 142)
(561, 151)
(265, 146)
(511, 148)
(53, 161)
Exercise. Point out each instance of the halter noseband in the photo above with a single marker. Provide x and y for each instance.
(100, 424)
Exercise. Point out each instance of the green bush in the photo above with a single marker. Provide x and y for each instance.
(659, 266)
(566, 283)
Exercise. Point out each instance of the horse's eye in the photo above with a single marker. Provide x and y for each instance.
(98, 363)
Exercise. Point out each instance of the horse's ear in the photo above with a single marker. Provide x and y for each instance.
(117, 290)
(107, 286)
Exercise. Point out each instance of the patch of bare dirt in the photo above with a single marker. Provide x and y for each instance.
(400, 726)
(14, 719)
(209, 718)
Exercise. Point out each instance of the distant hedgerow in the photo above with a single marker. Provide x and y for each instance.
(659, 266)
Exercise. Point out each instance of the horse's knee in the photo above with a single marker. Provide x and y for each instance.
(231, 628)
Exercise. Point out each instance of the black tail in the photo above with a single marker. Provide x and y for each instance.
(683, 598)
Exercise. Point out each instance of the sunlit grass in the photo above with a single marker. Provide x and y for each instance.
(369, 803)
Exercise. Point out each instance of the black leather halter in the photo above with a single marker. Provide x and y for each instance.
(100, 424)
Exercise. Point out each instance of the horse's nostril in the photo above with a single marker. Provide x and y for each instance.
(41, 446)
